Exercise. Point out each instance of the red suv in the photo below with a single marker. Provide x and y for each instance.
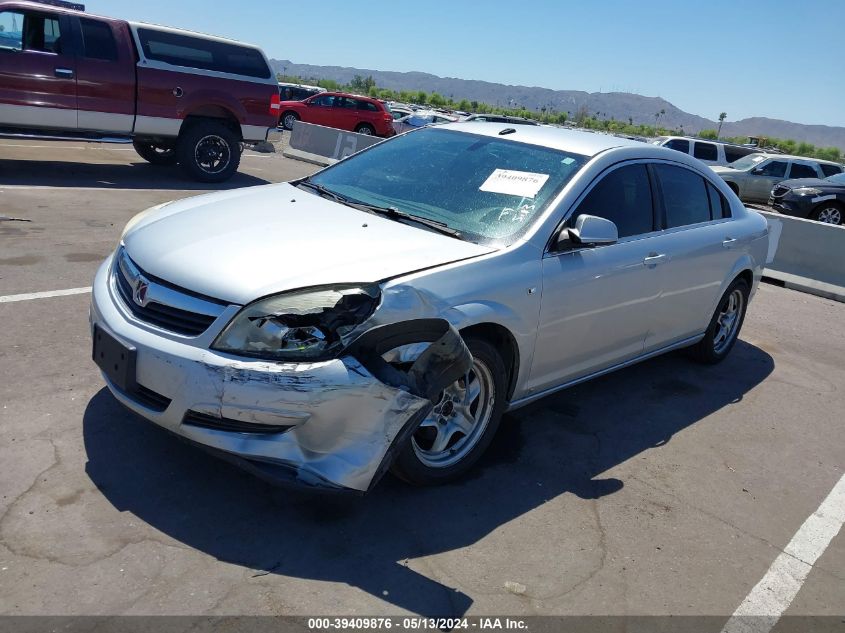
(340, 110)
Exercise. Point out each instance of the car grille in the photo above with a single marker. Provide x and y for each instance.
(195, 418)
(157, 313)
(779, 192)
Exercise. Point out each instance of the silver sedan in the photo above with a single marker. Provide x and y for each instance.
(384, 313)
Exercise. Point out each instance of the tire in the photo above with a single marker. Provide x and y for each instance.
(417, 463)
(720, 337)
(829, 213)
(156, 153)
(287, 119)
(209, 151)
(366, 128)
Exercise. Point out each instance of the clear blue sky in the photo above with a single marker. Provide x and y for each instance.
(777, 58)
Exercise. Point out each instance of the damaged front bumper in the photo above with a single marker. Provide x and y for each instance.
(335, 424)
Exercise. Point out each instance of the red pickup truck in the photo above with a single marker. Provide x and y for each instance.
(179, 97)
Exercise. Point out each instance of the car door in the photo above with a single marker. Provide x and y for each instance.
(700, 247)
(37, 70)
(319, 110)
(105, 76)
(763, 177)
(598, 303)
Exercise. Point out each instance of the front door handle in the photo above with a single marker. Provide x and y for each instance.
(653, 259)
(728, 242)
(63, 73)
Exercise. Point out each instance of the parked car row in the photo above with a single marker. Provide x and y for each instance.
(340, 110)
(707, 151)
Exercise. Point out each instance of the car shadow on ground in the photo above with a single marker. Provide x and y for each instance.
(137, 175)
(560, 445)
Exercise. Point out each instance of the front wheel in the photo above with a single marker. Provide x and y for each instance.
(156, 153)
(462, 424)
(209, 151)
(829, 214)
(725, 325)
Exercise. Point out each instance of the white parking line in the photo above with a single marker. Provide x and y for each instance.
(771, 597)
(44, 295)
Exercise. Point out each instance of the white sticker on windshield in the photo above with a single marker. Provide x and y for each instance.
(514, 183)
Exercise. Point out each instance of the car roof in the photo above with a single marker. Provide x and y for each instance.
(576, 141)
(794, 157)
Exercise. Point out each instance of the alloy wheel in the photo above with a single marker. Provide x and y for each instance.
(727, 323)
(830, 215)
(458, 420)
(212, 154)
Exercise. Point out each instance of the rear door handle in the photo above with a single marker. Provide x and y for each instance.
(653, 259)
(728, 242)
(63, 73)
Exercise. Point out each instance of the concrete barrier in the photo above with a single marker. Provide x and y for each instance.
(325, 145)
(806, 255)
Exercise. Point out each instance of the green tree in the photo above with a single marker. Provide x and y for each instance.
(709, 134)
(422, 97)
(436, 100)
(722, 117)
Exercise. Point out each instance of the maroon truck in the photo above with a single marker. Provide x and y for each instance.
(179, 97)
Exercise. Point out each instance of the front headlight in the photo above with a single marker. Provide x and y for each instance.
(305, 325)
(806, 191)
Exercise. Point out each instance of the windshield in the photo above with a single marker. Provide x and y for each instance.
(747, 162)
(836, 179)
(488, 189)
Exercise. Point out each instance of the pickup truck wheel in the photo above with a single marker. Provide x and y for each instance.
(288, 119)
(725, 325)
(209, 151)
(462, 424)
(156, 154)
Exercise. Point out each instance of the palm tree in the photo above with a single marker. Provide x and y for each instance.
(722, 117)
(657, 115)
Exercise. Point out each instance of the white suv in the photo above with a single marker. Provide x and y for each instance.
(708, 152)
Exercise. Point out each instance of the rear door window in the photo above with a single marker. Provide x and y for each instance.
(802, 170)
(685, 196)
(679, 144)
(705, 151)
(98, 40)
(624, 197)
(830, 170)
(204, 54)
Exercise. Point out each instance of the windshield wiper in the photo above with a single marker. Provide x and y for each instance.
(389, 212)
(395, 214)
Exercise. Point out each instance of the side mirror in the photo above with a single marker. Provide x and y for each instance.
(591, 230)
(757, 171)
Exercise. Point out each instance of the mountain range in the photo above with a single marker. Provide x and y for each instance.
(618, 105)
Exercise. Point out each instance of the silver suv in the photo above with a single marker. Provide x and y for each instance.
(752, 177)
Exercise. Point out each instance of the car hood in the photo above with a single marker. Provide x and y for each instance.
(244, 244)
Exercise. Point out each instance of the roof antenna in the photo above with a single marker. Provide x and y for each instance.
(507, 130)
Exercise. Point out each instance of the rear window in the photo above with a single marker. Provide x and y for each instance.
(733, 152)
(706, 151)
(830, 170)
(98, 40)
(195, 52)
(800, 170)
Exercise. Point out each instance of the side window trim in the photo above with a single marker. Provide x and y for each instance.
(549, 249)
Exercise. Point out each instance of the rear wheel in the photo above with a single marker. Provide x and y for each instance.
(365, 128)
(209, 151)
(156, 153)
(288, 119)
(462, 424)
(725, 325)
(829, 213)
